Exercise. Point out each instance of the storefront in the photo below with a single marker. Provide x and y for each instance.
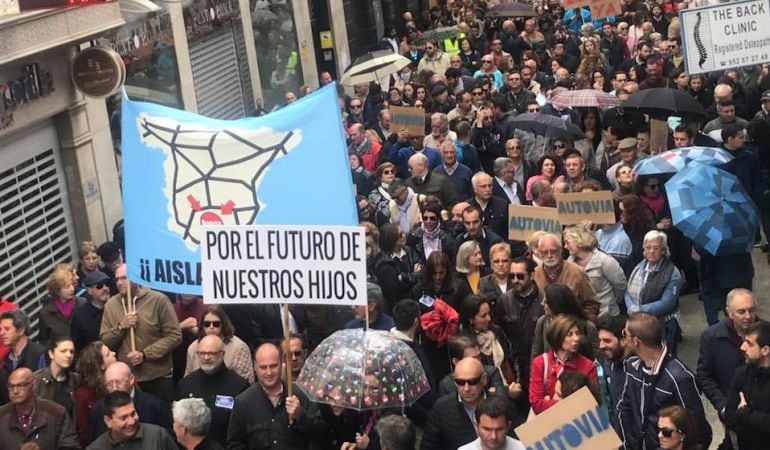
(58, 179)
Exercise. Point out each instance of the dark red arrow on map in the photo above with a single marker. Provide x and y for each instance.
(194, 203)
(227, 208)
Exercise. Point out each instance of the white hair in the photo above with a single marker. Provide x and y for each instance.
(655, 234)
(193, 415)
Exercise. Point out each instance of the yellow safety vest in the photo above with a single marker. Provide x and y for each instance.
(291, 63)
(451, 47)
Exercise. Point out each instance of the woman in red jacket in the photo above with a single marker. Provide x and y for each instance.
(563, 335)
(92, 362)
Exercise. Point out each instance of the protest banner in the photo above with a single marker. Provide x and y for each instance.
(574, 423)
(413, 119)
(570, 4)
(725, 36)
(182, 171)
(525, 220)
(247, 264)
(658, 135)
(576, 207)
(604, 8)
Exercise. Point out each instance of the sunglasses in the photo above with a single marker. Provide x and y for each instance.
(211, 323)
(477, 94)
(355, 106)
(559, 146)
(486, 62)
(429, 218)
(472, 381)
(653, 186)
(499, 261)
(518, 275)
(388, 172)
(99, 285)
(667, 432)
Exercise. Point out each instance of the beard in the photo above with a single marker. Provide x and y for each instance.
(209, 368)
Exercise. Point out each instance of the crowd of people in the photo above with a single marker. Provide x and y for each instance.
(503, 329)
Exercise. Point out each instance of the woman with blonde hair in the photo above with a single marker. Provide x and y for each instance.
(468, 267)
(604, 272)
(56, 316)
(89, 260)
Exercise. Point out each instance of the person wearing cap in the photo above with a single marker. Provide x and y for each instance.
(629, 155)
(111, 257)
(87, 318)
(441, 101)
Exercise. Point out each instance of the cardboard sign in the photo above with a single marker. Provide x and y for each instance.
(243, 264)
(604, 8)
(579, 206)
(658, 136)
(570, 4)
(525, 220)
(413, 119)
(575, 423)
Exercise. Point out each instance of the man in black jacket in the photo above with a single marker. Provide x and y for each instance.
(720, 350)
(654, 379)
(476, 230)
(215, 384)
(494, 209)
(266, 417)
(461, 347)
(748, 402)
(451, 422)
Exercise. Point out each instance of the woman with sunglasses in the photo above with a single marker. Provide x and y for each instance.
(559, 300)
(379, 197)
(92, 362)
(214, 320)
(676, 429)
(427, 236)
(563, 336)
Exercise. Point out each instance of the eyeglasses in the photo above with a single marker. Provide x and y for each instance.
(486, 61)
(653, 186)
(519, 275)
(559, 146)
(667, 432)
(429, 218)
(428, 48)
(534, 110)
(472, 381)
(12, 386)
(388, 172)
(477, 93)
(500, 261)
(208, 354)
(212, 323)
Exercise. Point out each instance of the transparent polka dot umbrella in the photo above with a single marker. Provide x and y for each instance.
(362, 371)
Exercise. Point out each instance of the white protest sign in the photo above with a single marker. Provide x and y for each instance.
(724, 36)
(284, 264)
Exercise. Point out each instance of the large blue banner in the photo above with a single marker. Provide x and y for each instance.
(182, 170)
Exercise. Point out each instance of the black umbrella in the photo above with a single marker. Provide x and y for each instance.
(437, 35)
(548, 125)
(659, 102)
(511, 10)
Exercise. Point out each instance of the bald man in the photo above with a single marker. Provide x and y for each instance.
(119, 377)
(452, 420)
(263, 413)
(215, 383)
(30, 419)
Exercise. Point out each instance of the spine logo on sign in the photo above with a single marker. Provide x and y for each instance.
(699, 41)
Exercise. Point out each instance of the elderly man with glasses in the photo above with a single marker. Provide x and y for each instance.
(215, 383)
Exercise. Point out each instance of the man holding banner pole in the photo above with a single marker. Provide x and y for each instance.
(157, 334)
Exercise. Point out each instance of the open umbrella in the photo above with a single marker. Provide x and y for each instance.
(710, 206)
(437, 35)
(363, 370)
(660, 102)
(511, 9)
(373, 66)
(673, 161)
(548, 125)
(584, 98)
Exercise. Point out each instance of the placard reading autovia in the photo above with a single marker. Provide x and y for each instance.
(284, 264)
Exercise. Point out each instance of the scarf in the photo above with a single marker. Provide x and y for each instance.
(431, 240)
(403, 211)
(64, 307)
(490, 346)
(655, 204)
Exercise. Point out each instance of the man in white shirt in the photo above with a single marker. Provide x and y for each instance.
(493, 425)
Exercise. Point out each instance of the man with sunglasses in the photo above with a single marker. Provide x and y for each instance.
(654, 380)
(434, 59)
(87, 318)
(452, 422)
(215, 383)
(516, 312)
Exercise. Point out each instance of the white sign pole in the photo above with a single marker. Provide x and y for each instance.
(725, 36)
(284, 264)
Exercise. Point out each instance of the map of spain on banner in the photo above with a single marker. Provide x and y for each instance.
(182, 170)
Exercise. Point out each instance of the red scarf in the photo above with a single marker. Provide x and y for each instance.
(64, 307)
(655, 204)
